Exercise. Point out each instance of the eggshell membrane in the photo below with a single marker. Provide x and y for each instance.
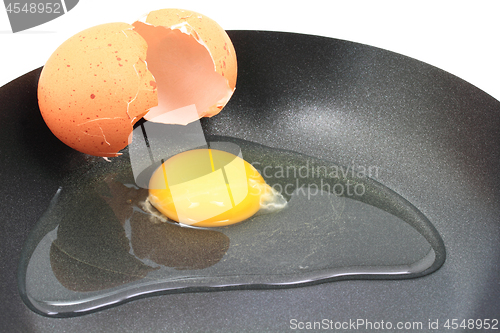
(95, 86)
(185, 76)
(200, 86)
(207, 30)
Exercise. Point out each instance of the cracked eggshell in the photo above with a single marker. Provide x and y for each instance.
(209, 33)
(173, 66)
(209, 66)
(95, 86)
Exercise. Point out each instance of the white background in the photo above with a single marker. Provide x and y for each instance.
(461, 37)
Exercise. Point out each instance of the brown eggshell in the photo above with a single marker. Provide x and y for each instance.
(175, 67)
(95, 86)
(210, 32)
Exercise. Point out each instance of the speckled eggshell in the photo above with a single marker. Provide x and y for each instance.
(210, 32)
(95, 86)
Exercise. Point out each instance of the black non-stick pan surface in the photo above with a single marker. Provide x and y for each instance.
(434, 138)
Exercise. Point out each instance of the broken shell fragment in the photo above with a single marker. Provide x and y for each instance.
(101, 81)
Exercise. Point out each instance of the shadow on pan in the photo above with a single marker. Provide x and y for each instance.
(432, 137)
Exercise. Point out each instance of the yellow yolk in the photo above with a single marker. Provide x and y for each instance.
(207, 188)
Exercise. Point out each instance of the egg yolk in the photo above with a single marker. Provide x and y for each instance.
(207, 188)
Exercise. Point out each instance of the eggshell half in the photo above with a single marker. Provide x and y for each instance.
(207, 30)
(95, 86)
(171, 56)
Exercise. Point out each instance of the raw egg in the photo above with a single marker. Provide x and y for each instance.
(101, 81)
(210, 188)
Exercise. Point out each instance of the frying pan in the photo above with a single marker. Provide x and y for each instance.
(434, 138)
